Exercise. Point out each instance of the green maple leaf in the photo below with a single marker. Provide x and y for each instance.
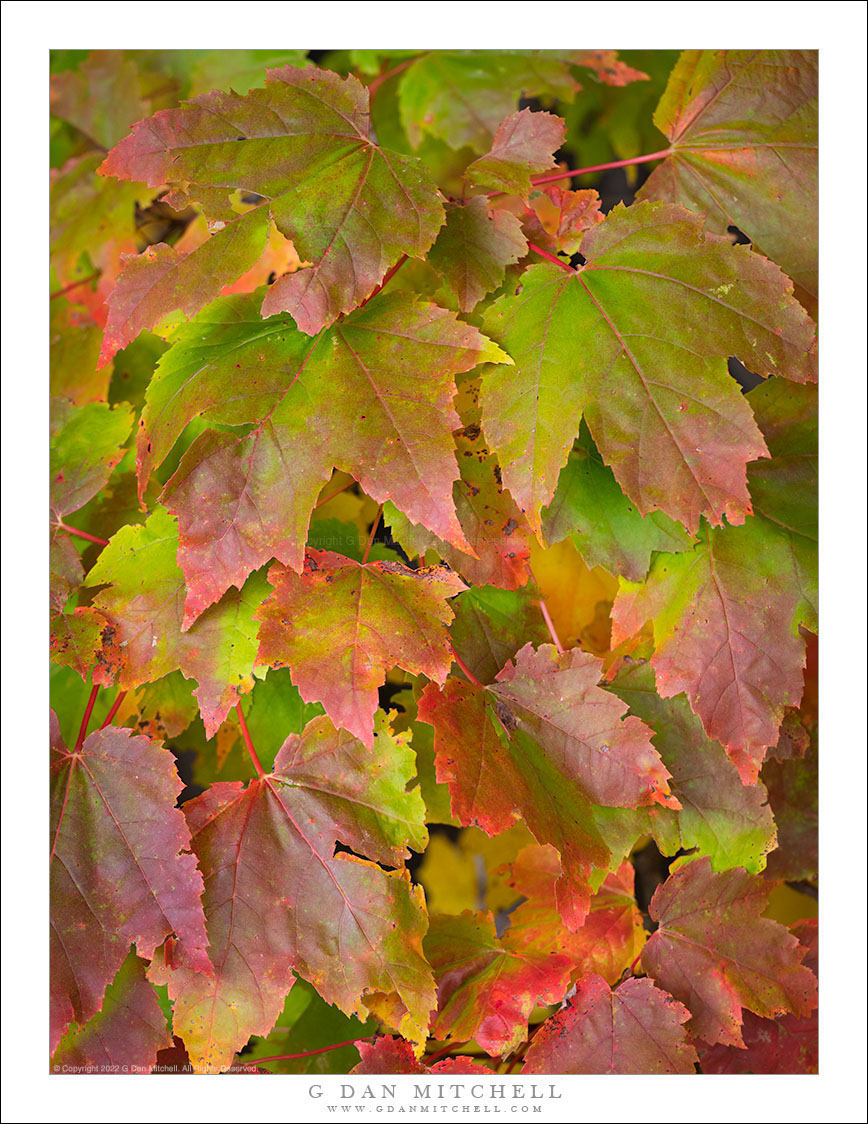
(636, 341)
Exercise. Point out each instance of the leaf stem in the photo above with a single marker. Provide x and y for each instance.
(116, 705)
(81, 534)
(635, 962)
(374, 527)
(307, 1053)
(550, 624)
(73, 285)
(248, 741)
(388, 277)
(378, 81)
(537, 181)
(472, 678)
(331, 495)
(85, 722)
(442, 1053)
(550, 257)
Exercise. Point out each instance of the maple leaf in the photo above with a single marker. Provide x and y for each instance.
(605, 527)
(783, 1045)
(243, 500)
(544, 742)
(726, 820)
(144, 603)
(387, 1054)
(488, 986)
(349, 206)
(86, 445)
(374, 616)
(725, 617)
(283, 901)
(125, 1035)
(716, 953)
(474, 248)
(742, 127)
(559, 217)
(121, 868)
(637, 1028)
(492, 624)
(491, 522)
(612, 935)
(524, 145)
(636, 340)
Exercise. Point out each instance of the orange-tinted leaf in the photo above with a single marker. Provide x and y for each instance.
(715, 952)
(612, 935)
(342, 625)
(488, 986)
(396, 1055)
(524, 145)
(561, 217)
(492, 524)
(161, 280)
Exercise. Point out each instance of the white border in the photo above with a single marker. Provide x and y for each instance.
(838, 30)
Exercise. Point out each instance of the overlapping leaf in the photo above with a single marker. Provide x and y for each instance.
(783, 1045)
(636, 341)
(144, 603)
(544, 742)
(462, 97)
(524, 145)
(341, 625)
(488, 986)
(491, 522)
(742, 126)
(559, 218)
(279, 900)
(730, 822)
(243, 500)
(474, 248)
(395, 1055)
(491, 625)
(606, 528)
(715, 952)
(125, 1035)
(303, 143)
(636, 1028)
(121, 868)
(725, 632)
(612, 935)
